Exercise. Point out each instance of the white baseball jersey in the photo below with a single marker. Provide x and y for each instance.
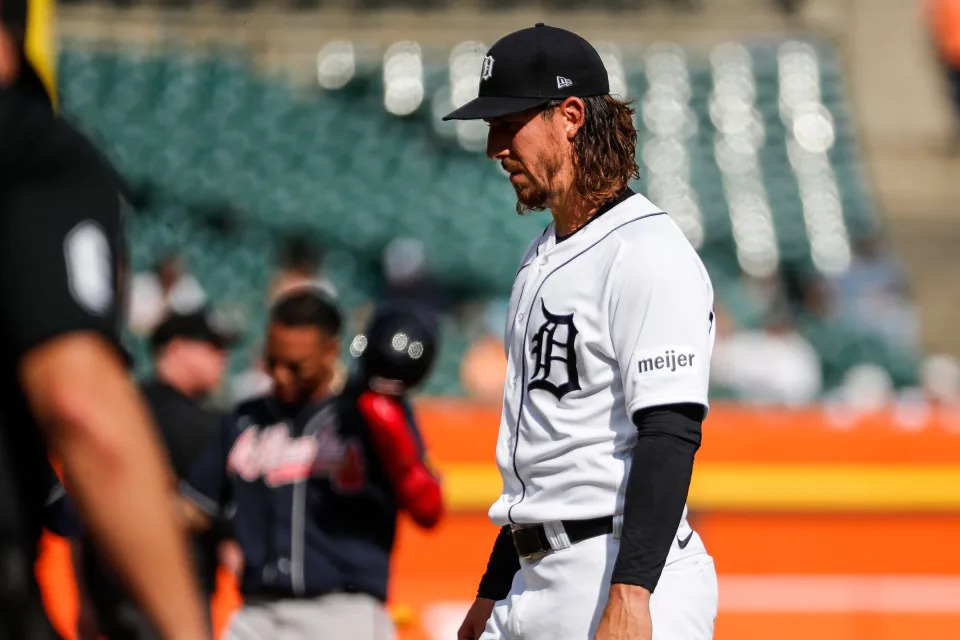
(617, 317)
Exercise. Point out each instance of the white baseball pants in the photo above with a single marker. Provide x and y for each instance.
(562, 595)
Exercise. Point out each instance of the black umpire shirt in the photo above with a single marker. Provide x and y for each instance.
(60, 262)
(186, 429)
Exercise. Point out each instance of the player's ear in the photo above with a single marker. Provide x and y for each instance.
(574, 113)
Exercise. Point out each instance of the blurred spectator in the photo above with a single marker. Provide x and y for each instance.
(483, 369)
(773, 366)
(940, 380)
(872, 295)
(301, 263)
(838, 344)
(939, 389)
(404, 264)
(252, 382)
(944, 16)
(756, 296)
(865, 387)
(168, 288)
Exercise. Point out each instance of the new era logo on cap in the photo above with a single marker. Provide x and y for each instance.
(534, 66)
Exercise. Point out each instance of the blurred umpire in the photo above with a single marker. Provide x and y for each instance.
(316, 480)
(190, 358)
(63, 380)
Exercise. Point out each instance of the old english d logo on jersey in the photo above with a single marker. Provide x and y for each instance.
(553, 347)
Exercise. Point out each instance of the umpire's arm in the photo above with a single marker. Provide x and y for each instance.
(59, 310)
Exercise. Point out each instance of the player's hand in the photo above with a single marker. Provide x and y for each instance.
(476, 619)
(230, 554)
(627, 615)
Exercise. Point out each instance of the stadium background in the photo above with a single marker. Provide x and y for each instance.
(806, 148)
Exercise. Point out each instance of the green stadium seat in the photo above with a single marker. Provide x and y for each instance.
(335, 167)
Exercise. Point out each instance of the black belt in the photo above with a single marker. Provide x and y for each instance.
(531, 539)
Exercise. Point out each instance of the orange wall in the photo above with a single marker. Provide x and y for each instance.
(457, 432)
(811, 547)
(446, 564)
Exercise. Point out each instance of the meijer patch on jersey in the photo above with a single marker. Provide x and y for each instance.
(667, 360)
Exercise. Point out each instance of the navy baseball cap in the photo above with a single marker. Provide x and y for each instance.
(198, 326)
(529, 68)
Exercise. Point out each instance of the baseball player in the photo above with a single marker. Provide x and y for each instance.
(63, 378)
(315, 481)
(608, 338)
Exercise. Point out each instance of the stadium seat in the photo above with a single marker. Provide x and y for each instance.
(334, 165)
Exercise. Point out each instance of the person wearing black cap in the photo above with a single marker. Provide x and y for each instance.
(64, 385)
(190, 357)
(608, 348)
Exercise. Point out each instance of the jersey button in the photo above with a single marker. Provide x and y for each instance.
(283, 565)
(520, 317)
(543, 261)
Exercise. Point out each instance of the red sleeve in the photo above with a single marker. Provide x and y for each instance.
(416, 488)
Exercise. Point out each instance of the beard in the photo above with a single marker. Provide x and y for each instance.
(531, 194)
(531, 197)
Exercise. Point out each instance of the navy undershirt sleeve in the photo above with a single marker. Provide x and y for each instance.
(501, 568)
